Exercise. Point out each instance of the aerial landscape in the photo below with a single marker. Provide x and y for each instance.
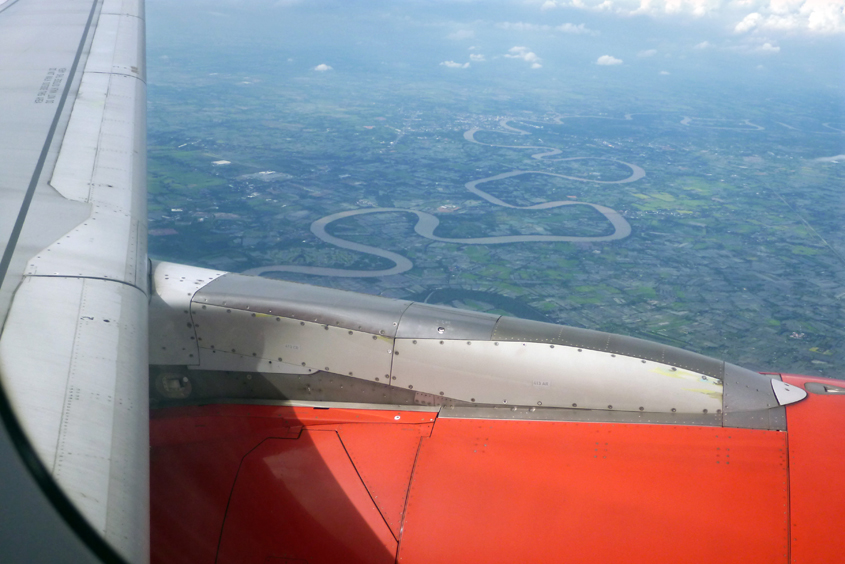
(537, 160)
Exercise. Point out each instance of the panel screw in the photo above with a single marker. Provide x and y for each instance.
(704, 411)
(539, 403)
(574, 405)
(472, 399)
(410, 387)
(642, 408)
(414, 341)
(674, 410)
(609, 407)
(442, 394)
(441, 330)
(350, 332)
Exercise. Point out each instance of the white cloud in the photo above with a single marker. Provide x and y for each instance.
(816, 17)
(536, 66)
(562, 28)
(665, 72)
(647, 53)
(454, 65)
(768, 48)
(476, 57)
(703, 45)
(607, 60)
(322, 67)
(572, 28)
(461, 34)
(748, 23)
(523, 53)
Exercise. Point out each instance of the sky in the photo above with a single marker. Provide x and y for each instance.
(794, 44)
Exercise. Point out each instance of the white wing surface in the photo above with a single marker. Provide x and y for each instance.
(73, 272)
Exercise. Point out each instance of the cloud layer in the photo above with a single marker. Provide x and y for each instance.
(520, 52)
(809, 16)
(608, 60)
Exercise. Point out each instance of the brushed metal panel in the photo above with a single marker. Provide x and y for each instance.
(111, 243)
(586, 415)
(426, 321)
(75, 163)
(339, 308)
(291, 341)
(73, 362)
(42, 52)
(214, 386)
(513, 329)
(515, 373)
(787, 393)
(172, 336)
(118, 46)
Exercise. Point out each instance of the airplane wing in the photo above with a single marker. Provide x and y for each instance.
(298, 424)
(73, 300)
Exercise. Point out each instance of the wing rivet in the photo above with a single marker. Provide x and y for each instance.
(674, 410)
(414, 341)
(374, 337)
(574, 405)
(472, 399)
(410, 387)
(442, 394)
(704, 411)
(642, 408)
(609, 407)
